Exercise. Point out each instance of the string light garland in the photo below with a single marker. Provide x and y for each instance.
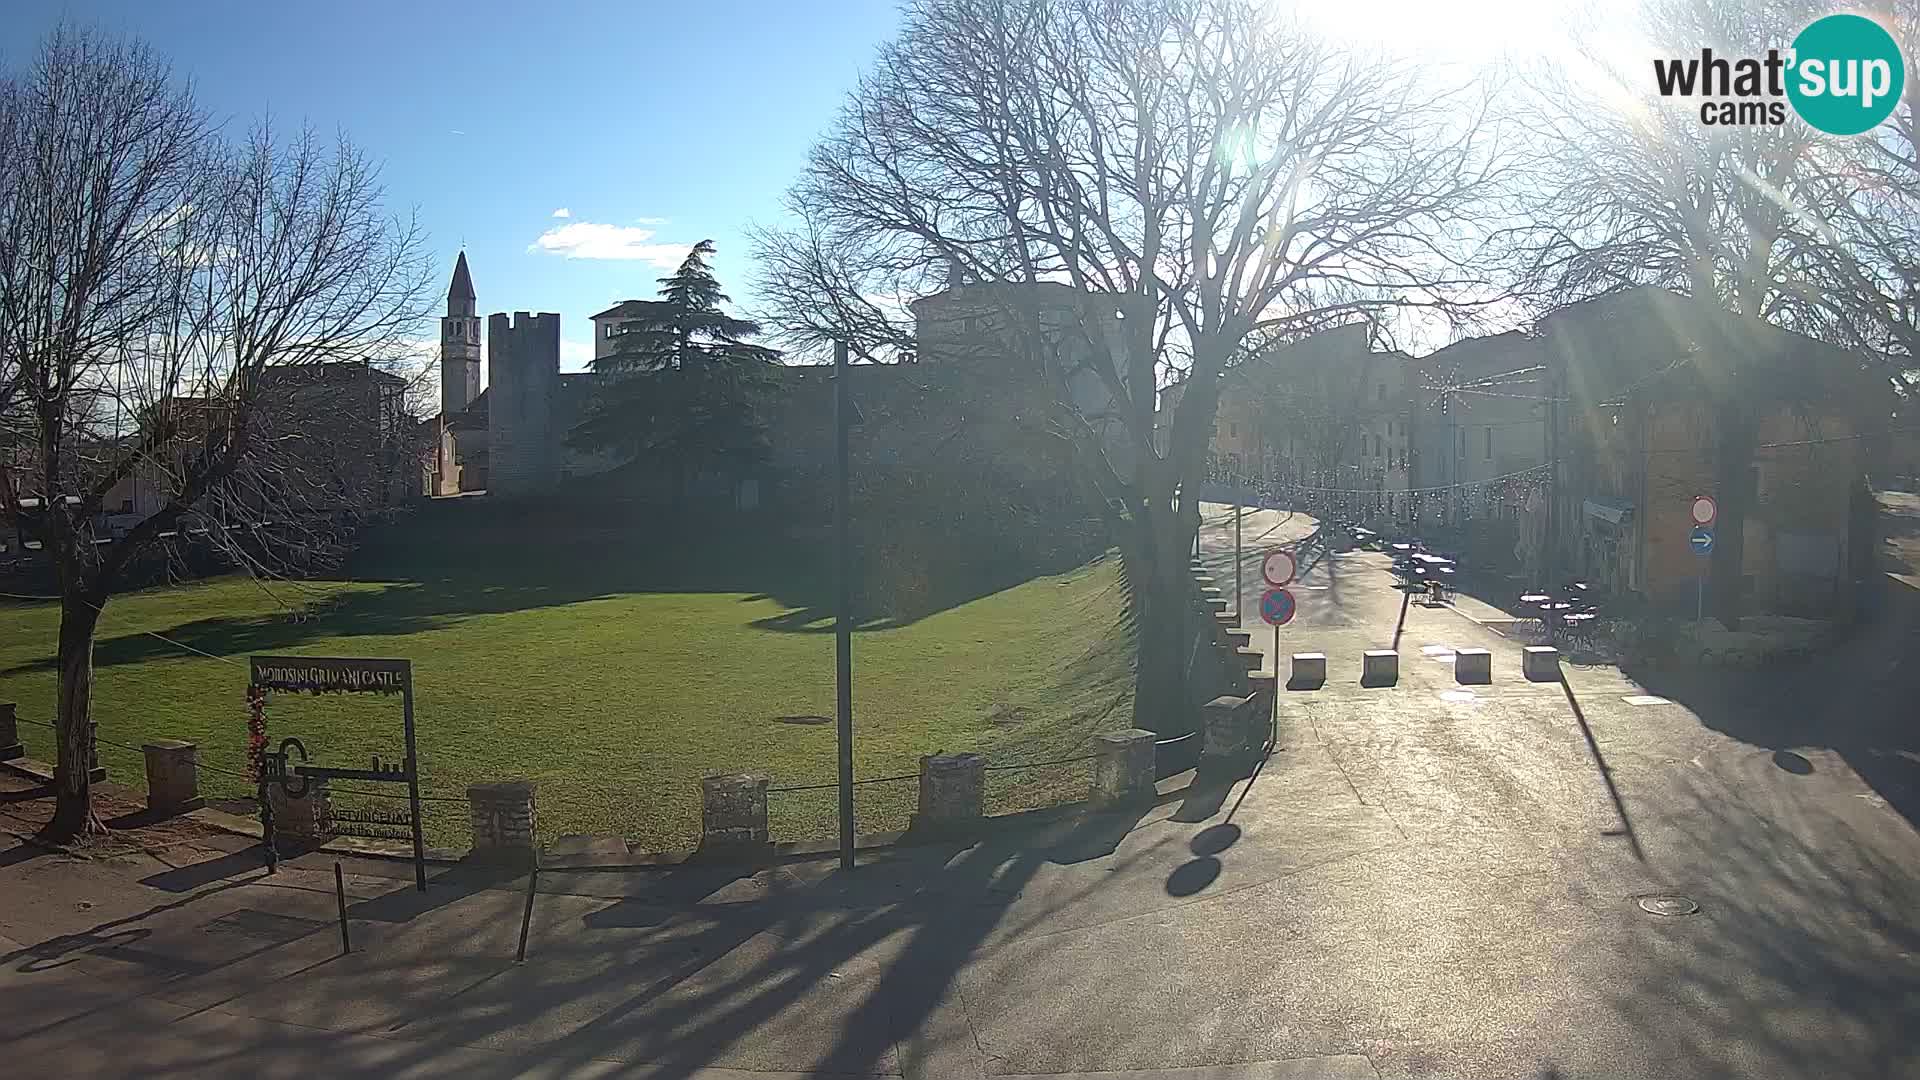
(1463, 500)
(256, 733)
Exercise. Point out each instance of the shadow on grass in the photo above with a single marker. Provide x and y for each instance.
(461, 558)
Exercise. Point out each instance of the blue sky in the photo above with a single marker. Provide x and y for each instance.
(654, 125)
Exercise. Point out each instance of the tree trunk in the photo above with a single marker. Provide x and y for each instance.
(73, 720)
(1156, 565)
(1733, 495)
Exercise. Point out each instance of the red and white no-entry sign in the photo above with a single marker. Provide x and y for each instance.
(1278, 567)
(1704, 510)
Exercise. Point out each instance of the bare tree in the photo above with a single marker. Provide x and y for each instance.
(1630, 189)
(1193, 171)
(184, 330)
(1863, 252)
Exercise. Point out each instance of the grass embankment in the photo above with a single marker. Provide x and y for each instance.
(612, 665)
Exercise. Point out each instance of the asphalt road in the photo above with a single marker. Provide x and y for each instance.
(1424, 880)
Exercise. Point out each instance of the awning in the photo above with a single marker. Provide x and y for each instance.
(1611, 511)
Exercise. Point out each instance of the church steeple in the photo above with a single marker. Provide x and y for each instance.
(459, 343)
(460, 293)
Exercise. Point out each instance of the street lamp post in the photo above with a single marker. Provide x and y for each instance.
(843, 601)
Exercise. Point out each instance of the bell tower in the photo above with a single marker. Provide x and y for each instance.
(459, 343)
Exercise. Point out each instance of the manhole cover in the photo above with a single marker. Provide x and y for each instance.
(1668, 905)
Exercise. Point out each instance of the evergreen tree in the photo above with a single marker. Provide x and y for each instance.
(685, 388)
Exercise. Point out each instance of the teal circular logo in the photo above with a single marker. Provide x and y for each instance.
(1848, 74)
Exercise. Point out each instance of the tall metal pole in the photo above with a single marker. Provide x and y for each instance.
(1553, 486)
(843, 602)
(413, 783)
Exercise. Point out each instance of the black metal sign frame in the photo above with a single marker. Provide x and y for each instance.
(338, 675)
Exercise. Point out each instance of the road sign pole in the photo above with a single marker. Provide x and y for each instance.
(1699, 598)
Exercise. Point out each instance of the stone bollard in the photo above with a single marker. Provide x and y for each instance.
(308, 817)
(502, 815)
(1260, 685)
(952, 791)
(733, 813)
(10, 747)
(1540, 663)
(1227, 734)
(1473, 666)
(1124, 770)
(1309, 670)
(1379, 667)
(173, 775)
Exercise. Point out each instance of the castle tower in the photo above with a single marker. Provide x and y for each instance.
(523, 370)
(459, 344)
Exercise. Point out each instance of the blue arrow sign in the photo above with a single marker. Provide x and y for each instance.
(1701, 540)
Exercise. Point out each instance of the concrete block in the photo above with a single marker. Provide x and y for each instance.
(733, 813)
(1124, 770)
(952, 791)
(1227, 731)
(1379, 667)
(1309, 670)
(306, 817)
(1473, 666)
(10, 747)
(173, 775)
(503, 820)
(1541, 663)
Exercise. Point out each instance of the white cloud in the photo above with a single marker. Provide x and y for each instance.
(593, 240)
(563, 212)
(651, 220)
(455, 131)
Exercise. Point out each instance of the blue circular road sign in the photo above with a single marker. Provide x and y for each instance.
(1276, 606)
(1701, 540)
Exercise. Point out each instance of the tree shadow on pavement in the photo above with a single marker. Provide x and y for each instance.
(846, 974)
(1805, 957)
(1855, 698)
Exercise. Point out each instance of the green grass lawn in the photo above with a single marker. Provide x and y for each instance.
(613, 667)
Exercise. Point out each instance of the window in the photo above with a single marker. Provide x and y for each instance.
(1489, 444)
(1380, 392)
(1233, 431)
(1463, 442)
